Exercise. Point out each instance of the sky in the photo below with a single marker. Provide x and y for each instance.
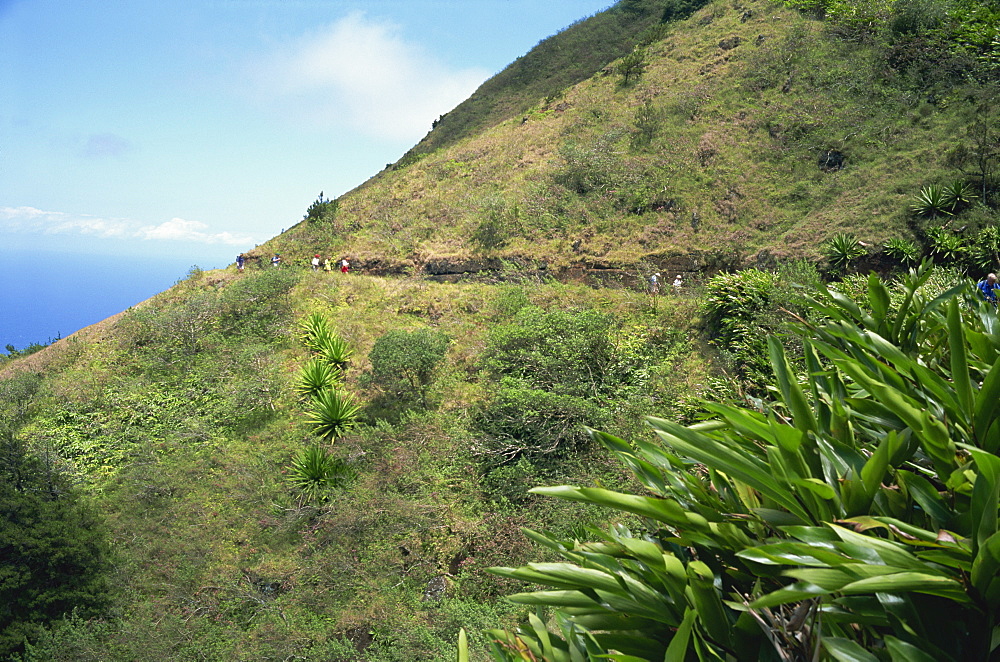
(201, 128)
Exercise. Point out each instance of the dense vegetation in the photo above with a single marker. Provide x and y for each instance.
(287, 464)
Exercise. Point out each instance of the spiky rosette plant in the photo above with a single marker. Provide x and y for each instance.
(318, 375)
(315, 472)
(312, 327)
(932, 201)
(842, 249)
(334, 350)
(332, 413)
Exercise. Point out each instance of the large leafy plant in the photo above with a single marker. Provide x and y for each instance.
(855, 518)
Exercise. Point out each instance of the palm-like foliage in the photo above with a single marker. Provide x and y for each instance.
(315, 472)
(931, 201)
(332, 413)
(318, 375)
(957, 195)
(856, 519)
(842, 249)
(317, 335)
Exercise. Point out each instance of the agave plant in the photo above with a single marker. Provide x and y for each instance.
(902, 250)
(318, 375)
(315, 472)
(957, 195)
(932, 201)
(334, 350)
(842, 249)
(856, 518)
(332, 413)
(313, 326)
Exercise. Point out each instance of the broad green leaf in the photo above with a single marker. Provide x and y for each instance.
(463, 646)
(791, 392)
(708, 603)
(900, 651)
(985, 497)
(678, 648)
(739, 465)
(845, 650)
(904, 582)
(959, 359)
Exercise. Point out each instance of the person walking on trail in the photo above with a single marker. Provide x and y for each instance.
(678, 283)
(988, 288)
(327, 267)
(654, 283)
(276, 260)
(315, 262)
(344, 266)
(240, 260)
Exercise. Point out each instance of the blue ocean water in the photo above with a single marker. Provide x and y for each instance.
(46, 295)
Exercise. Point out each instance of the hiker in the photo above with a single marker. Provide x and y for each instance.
(677, 284)
(344, 266)
(239, 261)
(276, 260)
(988, 288)
(315, 262)
(654, 283)
(327, 267)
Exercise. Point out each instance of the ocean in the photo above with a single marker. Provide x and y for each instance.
(48, 295)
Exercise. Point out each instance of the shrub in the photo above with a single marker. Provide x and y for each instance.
(317, 335)
(736, 315)
(406, 361)
(498, 225)
(932, 202)
(632, 65)
(532, 423)
(54, 547)
(565, 352)
(947, 247)
(321, 211)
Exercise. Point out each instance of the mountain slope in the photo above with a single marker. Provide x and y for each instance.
(752, 133)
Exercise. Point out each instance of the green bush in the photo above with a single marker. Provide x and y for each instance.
(322, 211)
(737, 314)
(405, 362)
(562, 351)
(841, 250)
(535, 424)
(53, 546)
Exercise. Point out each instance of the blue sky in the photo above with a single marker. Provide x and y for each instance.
(206, 127)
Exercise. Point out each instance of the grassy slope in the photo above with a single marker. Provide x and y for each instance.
(733, 166)
(183, 427)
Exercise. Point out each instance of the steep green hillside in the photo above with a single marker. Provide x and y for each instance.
(287, 464)
(752, 132)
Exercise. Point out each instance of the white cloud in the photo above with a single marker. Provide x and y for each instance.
(29, 220)
(363, 73)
